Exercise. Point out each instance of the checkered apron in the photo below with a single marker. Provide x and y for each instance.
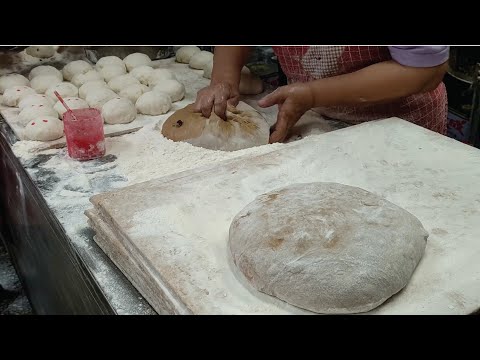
(306, 63)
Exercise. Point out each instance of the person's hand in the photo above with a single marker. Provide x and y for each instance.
(293, 101)
(216, 97)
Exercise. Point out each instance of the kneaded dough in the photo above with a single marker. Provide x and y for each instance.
(159, 75)
(119, 111)
(45, 70)
(326, 247)
(31, 112)
(41, 51)
(35, 99)
(109, 60)
(108, 72)
(99, 96)
(153, 103)
(244, 128)
(11, 80)
(141, 73)
(42, 82)
(136, 59)
(83, 78)
(72, 102)
(207, 70)
(13, 95)
(75, 67)
(200, 60)
(44, 128)
(90, 86)
(174, 88)
(133, 92)
(65, 89)
(185, 53)
(122, 81)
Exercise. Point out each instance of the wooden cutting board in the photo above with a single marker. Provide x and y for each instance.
(171, 239)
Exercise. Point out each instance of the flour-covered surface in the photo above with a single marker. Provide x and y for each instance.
(177, 226)
(67, 185)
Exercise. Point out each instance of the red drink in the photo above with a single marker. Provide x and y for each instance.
(85, 137)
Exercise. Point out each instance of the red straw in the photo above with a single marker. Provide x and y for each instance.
(65, 105)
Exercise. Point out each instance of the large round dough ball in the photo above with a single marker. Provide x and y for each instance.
(31, 112)
(185, 53)
(42, 82)
(109, 72)
(75, 67)
(35, 99)
(200, 60)
(174, 88)
(99, 96)
(11, 80)
(142, 73)
(82, 78)
(72, 102)
(159, 75)
(65, 89)
(44, 128)
(122, 81)
(136, 59)
(13, 95)
(45, 70)
(41, 51)
(91, 85)
(326, 247)
(133, 92)
(119, 111)
(153, 103)
(109, 60)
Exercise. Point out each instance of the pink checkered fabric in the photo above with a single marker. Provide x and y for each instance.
(306, 63)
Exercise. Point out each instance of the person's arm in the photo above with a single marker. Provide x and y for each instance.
(228, 62)
(377, 83)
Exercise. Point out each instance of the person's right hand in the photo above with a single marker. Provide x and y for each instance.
(216, 97)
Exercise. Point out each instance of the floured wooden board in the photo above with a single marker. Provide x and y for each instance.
(171, 239)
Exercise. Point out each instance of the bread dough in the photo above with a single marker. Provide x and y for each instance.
(200, 60)
(13, 95)
(119, 111)
(326, 247)
(174, 88)
(31, 112)
(35, 99)
(136, 59)
(45, 70)
(90, 86)
(141, 73)
(109, 60)
(75, 67)
(159, 75)
(82, 78)
(11, 80)
(65, 89)
(153, 103)
(244, 128)
(42, 82)
(44, 128)
(99, 96)
(122, 81)
(133, 92)
(108, 72)
(72, 102)
(185, 53)
(41, 51)
(207, 70)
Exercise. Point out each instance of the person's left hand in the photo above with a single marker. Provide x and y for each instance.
(293, 101)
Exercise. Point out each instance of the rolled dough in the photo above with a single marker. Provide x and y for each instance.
(326, 247)
(243, 129)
